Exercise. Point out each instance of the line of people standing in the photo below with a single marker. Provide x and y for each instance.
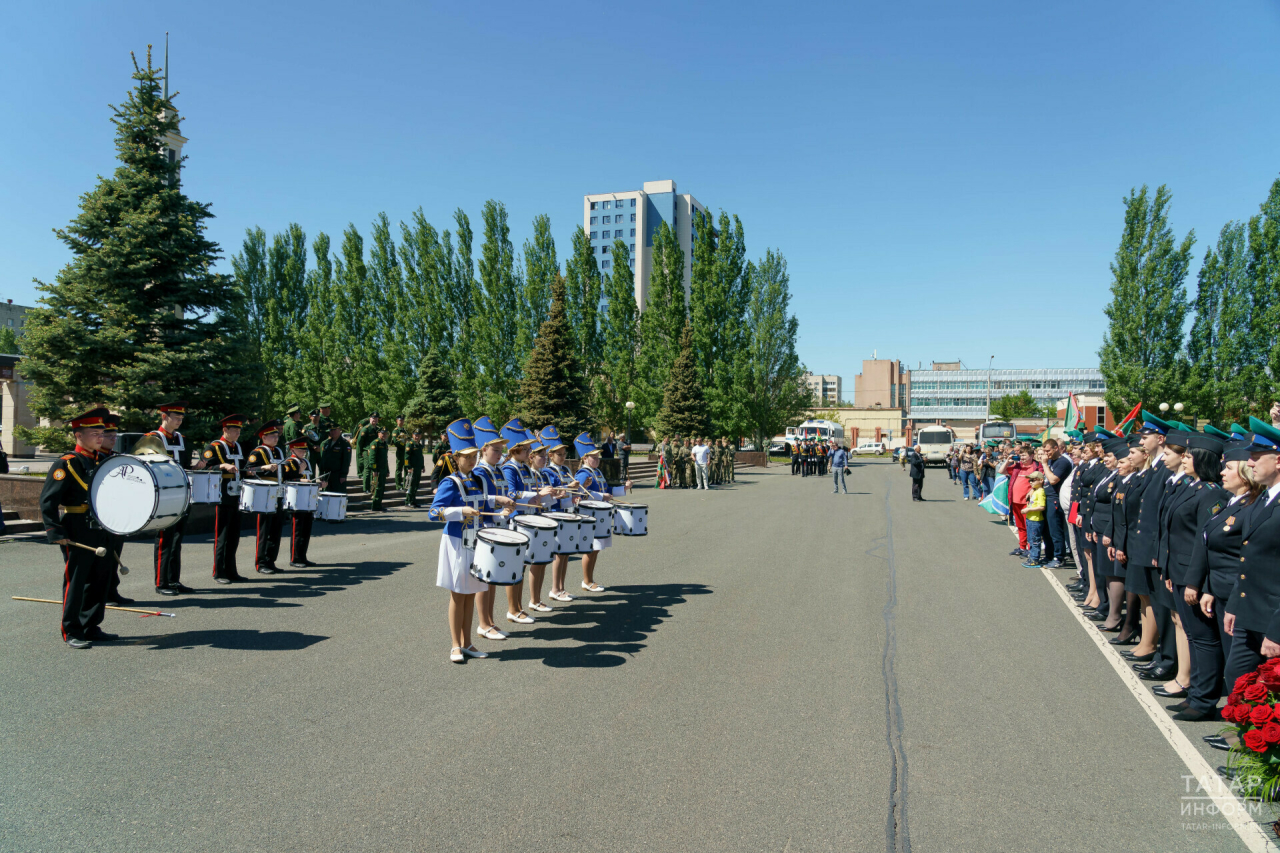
(696, 463)
(810, 457)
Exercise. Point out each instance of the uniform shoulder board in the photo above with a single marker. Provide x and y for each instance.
(67, 457)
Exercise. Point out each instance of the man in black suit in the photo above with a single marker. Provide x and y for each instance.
(916, 461)
(1253, 611)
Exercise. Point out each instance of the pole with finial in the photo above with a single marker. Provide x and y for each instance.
(166, 66)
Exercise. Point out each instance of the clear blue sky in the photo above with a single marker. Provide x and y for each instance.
(944, 178)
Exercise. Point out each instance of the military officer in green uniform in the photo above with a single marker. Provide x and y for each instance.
(292, 425)
(441, 461)
(400, 441)
(366, 435)
(315, 437)
(375, 466)
(416, 460)
(326, 419)
(732, 461)
(679, 456)
(335, 460)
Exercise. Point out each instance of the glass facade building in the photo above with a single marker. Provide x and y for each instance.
(953, 395)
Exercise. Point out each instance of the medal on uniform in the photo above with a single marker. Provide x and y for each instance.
(1226, 528)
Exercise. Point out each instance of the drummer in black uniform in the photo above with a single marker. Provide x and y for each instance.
(168, 552)
(294, 469)
(66, 487)
(115, 544)
(264, 462)
(226, 453)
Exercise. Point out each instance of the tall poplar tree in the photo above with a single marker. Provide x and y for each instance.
(426, 314)
(285, 316)
(541, 269)
(138, 315)
(620, 339)
(582, 292)
(495, 329)
(1142, 356)
(719, 292)
(661, 323)
(1217, 347)
(1261, 387)
(772, 388)
(391, 335)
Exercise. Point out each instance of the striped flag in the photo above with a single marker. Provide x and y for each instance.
(1075, 417)
(1130, 422)
(997, 503)
(663, 480)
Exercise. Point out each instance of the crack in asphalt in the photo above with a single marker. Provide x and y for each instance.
(897, 835)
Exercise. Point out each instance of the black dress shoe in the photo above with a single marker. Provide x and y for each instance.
(1181, 706)
(1095, 616)
(1191, 715)
(1161, 674)
(1126, 641)
(1114, 630)
(185, 590)
(98, 635)
(120, 601)
(268, 570)
(166, 590)
(1217, 742)
(79, 643)
(1130, 656)
(222, 580)
(1163, 693)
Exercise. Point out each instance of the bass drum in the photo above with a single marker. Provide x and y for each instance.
(130, 494)
(499, 556)
(542, 537)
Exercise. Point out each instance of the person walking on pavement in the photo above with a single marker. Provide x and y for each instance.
(916, 461)
(839, 459)
(367, 434)
(701, 456)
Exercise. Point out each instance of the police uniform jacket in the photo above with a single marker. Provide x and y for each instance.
(1101, 503)
(1256, 596)
(1126, 505)
(1214, 566)
(1143, 534)
(1189, 512)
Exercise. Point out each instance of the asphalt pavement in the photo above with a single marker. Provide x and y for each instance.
(773, 668)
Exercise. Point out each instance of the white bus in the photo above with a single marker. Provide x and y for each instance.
(995, 430)
(816, 431)
(935, 442)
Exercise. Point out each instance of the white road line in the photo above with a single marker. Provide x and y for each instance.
(1229, 805)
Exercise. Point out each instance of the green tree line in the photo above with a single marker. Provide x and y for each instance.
(1217, 352)
(404, 317)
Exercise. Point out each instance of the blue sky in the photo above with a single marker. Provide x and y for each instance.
(944, 179)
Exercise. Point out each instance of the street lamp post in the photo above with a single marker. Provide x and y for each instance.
(626, 453)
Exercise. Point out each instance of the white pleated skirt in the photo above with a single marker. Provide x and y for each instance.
(453, 573)
(601, 544)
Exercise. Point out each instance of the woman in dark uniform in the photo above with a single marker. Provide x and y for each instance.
(1124, 517)
(1182, 518)
(1211, 572)
(1100, 519)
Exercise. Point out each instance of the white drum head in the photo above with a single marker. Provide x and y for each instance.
(502, 536)
(564, 516)
(123, 494)
(535, 521)
(595, 505)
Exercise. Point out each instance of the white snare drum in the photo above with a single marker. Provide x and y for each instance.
(302, 497)
(542, 536)
(499, 557)
(602, 512)
(332, 506)
(257, 496)
(206, 486)
(631, 519)
(571, 530)
(130, 494)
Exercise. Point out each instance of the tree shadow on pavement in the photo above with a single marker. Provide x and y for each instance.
(281, 590)
(611, 626)
(232, 639)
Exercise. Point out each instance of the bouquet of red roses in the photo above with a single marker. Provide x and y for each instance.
(1254, 707)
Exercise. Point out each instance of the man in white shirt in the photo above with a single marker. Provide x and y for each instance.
(701, 455)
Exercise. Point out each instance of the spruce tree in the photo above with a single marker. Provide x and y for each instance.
(684, 408)
(9, 342)
(434, 404)
(138, 315)
(1142, 355)
(552, 390)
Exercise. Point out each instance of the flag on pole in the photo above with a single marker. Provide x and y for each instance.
(1075, 417)
(997, 503)
(1131, 421)
(663, 480)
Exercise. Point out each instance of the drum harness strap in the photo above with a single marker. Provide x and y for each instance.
(174, 449)
(233, 488)
(470, 527)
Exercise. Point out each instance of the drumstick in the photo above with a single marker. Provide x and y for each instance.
(108, 606)
(124, 570)
(98, 552)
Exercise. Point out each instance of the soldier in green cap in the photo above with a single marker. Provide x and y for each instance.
(365, 436)
(400, 441)
(315, 437)
(732, 452)
(441, 460)
(416, 461)
(292, 425)
(335, 461)
(375, 466)
(326, 419)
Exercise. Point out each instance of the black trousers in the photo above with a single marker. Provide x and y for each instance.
(85, 579)
(1244, 656)
(1167, 649)
(299, 535)
(337, 481)
(1057, 527)
(226, 538)
(1209, 648)
(795, 465)
(268, 526)
(168, 554)
(916, 487)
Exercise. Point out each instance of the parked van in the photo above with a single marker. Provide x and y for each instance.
(870, 448)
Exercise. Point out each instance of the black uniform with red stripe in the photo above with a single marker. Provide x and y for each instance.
(297, 468)
(168, 552)
(115, 547)
(226, 515)
(268, 525)
(85, 579)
